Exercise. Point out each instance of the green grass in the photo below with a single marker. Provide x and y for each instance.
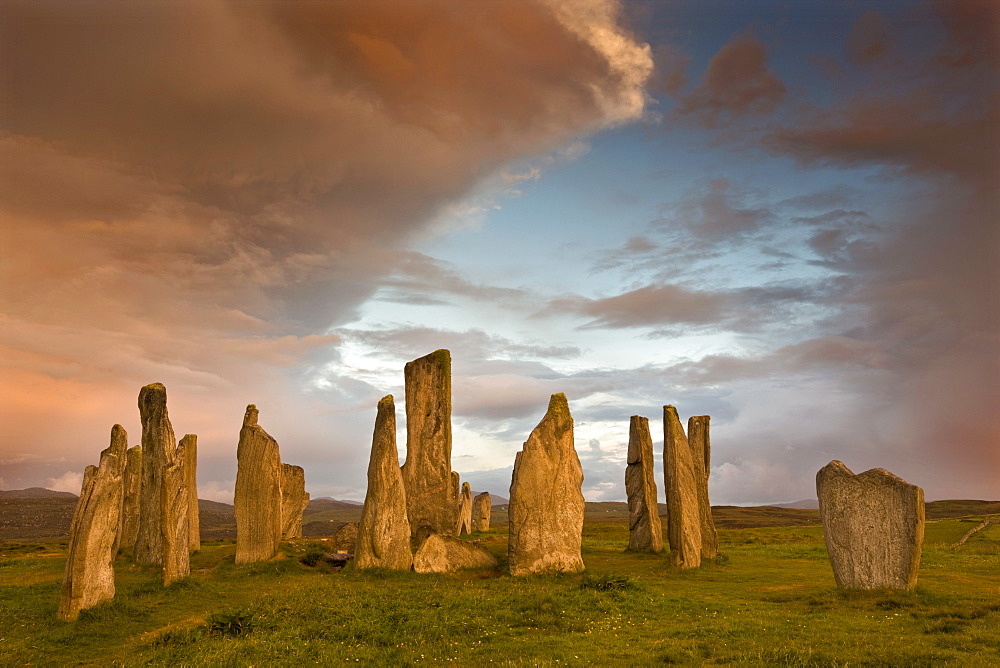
(769, 600)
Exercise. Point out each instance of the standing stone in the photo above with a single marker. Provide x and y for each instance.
(681, 485)
(701, 453)
(257, 499)
(645, 530)
(464, 510)
(873, 523)
(384, 531)
(445, 554)
(294, 500)
(345, 538)
(545, 520)
(431, 498)
(482, 506)
(90, 574)
(158, 444)
(190, 445)
(128, 525)
(174, 501)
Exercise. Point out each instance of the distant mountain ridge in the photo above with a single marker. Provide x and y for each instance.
(35, 493)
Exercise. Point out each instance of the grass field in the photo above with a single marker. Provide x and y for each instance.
(769, 600)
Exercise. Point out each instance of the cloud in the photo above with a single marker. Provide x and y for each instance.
(71, 481)
(869, 39)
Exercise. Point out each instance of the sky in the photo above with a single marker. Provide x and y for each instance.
(784, 215)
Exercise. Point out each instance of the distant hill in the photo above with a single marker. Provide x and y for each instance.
(35, 493)
(804, 504)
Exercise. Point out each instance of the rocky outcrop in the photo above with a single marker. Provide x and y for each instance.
(174, 504)
(128, 526)
(190, 445)
(383, 539)
(465, 510)
(873, 523)
(482, 506)
(701, 455)
(158, 445)
(445, 554)
(431, 498)
(294, 500)
(645, 530)
(257, 500)
(90, 576)
(681, 486)
(545, 516)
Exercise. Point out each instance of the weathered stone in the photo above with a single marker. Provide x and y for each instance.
(701, 454)
(174, 504)
(545, 520)
(345, 538)
(294, 500)
(645, 530)
(873, 523)
(464, 510)
(158, 443)
(190, 445)
(257, 499)
(681, 486)
(431, 498)
(90, 575)
(128, 526)
(482, 506)
(444, 554)
(383, 539)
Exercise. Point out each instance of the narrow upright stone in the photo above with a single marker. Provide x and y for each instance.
(482, 506)
(645, 530)
(90, 576)
(294, 500)
(701, 453)
(158, 444)
(128, 526)
(465, 510)
(257, 499)
(545, 520)
(431, 498)
(384, 531)
(681, 485)
(190, 445)
(174, 504)
(873, 523)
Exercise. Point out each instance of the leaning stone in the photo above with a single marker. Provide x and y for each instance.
(174, 522)
(158, 443)
(90, 575)
(681, 485)
(701, 454)
(128, 526)
(345, 538)
(383, 539)
(257, 499)
(190, 445)
(445, 554)
(545, 517)
(645, 530)
(482, 506)
(465, 510)
(873, 523)
(431, 498)
(294, 500)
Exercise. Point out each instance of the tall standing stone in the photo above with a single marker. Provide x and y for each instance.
(158, 444)
(90, 575)
(294, 500)
(174, 502)
(701, 453)
(431, 498)
(645, 530)
(482, 506)
(384, 531)
(190, 447)
(545, 520)
(464, 510)
(257, 499)
(873, 523)
(681, 485)
(128, 525)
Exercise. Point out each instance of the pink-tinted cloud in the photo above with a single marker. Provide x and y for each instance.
(870, 38)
